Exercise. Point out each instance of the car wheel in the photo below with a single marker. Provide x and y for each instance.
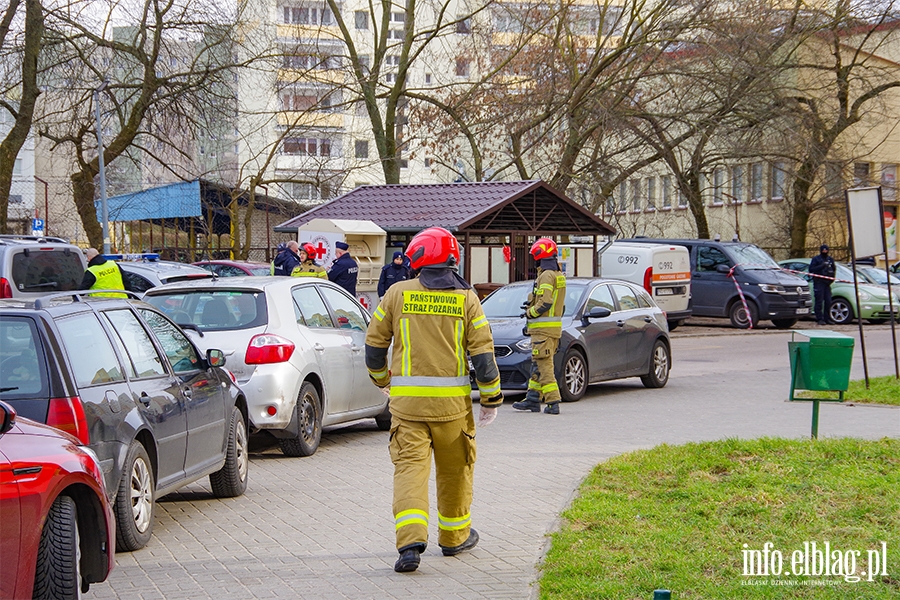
(660, 364)
(840, 311)
(309, 421)
(231, 479)
(384, 419)
(574, 376)
(740, 318)
(784, 323)
(58, 572)
(135, 507)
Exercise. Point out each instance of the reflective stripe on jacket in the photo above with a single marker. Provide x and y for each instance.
(432, 332)
(108, 277)
(546, 304)
(309, 269)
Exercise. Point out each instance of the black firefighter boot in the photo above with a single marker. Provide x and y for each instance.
(531, 402)
(409, 558)
(552, 408)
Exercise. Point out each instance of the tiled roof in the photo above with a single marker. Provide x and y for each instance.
(454, 206)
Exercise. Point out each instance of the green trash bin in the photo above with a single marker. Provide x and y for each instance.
(820, 363)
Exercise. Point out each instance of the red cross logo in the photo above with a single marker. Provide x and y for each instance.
(364, 301)
(321, 250)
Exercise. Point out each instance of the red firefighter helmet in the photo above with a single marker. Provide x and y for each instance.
(543, 248)
(309, 249)
(434, 246)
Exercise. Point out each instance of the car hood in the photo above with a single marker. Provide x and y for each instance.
(777, 277)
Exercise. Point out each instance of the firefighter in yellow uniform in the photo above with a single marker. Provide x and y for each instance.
(543, 314)
(308, 266)
(435, 322)
(102, 274)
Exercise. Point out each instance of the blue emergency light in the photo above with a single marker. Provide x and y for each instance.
(136, 257)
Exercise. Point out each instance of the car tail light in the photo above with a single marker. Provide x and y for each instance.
(648, 280)
(5, 288)
(268, 348)
(67, 414)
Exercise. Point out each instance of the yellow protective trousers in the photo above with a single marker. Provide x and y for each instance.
(411, 446)
(543, 379)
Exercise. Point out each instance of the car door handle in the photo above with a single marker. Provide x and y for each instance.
(145, 399)
(319, 347)
(648, 319)
(188, 392)
(620, 323)
(356, 349)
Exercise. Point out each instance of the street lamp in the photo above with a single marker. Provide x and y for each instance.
(103, 208)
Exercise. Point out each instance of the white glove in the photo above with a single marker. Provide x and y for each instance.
(386, 391)
(487, 416)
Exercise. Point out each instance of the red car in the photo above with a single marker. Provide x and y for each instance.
(234, 268)
(53, 510)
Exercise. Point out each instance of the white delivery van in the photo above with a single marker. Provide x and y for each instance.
(664, 270)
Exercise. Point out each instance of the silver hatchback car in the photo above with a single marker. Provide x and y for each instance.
(296, 347)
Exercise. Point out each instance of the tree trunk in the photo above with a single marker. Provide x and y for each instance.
(83, 194)
(801, 207)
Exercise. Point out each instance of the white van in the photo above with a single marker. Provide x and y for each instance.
(664, 270)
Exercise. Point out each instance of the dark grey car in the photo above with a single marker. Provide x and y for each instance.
(611, 330)
(127, 382)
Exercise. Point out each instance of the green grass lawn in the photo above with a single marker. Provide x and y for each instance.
(677, 517)
(882, 390)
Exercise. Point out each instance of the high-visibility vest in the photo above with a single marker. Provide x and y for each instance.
(107, 277)
(309, 269)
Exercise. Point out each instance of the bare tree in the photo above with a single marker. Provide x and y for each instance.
(27, 49)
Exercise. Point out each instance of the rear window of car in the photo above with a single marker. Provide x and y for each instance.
(46, 270)
(220, 309)
(22, 372)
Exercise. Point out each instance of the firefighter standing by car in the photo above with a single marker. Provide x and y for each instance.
(102, 274)
(543, 314)
(308, 266)
(434, 321)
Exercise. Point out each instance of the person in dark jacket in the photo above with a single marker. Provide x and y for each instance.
(344, 270)
(392, 273)
(823, 266)
(102, 274)
(286, 259)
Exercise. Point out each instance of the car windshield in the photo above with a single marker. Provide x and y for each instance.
(878, 277)
(208, 309)
(260, 271)
(843, 272)
(752, 257)
(506, 302)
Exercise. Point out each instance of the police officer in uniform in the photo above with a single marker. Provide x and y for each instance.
(344, 269)
(543, 312)
(287, 258)
(392, 273)
(308, 266)
(434, 321)
(102, 274)
(822, 265)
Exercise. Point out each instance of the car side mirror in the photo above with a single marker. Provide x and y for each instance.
(215, 358)
(598, 312)
(725, 269)
(7, 417)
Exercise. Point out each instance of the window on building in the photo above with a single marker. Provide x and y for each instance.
(307, 146)
(361, 19)
(623, 196)
(737, 184)
(834, 180)
(395, 34)
(889, 182)
(779, 180)
(682, 199)
(427, 162)
(861, 173)
(462, 67)
(392, 60)
(651, 193)
(718, 185)
(756, 182)
(17, 168)
(364, 63)
(666, 190)
(463, 26)
(390, 77)
(361, 148)
(635, 194)
(427, 78)
(398, 17)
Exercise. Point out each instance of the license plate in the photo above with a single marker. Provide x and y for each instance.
(665, 291)
(802, 311)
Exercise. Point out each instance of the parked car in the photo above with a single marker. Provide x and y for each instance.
(770, 292)
(126, 381)
(57, 530)
(875, 306)
(877, 276)
(31, 266)
(296, 346)
(148, 271)
(234, 268)
(611, 330)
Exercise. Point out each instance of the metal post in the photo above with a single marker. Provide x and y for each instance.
(46, 204)
(815, 420)
(103, 208)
